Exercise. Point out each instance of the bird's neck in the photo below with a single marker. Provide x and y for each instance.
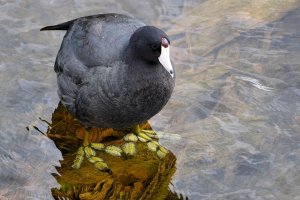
(143, 71)
(138, 67)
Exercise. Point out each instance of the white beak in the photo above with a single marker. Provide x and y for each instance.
(164, 59)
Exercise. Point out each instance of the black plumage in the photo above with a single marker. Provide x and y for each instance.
(108, 72)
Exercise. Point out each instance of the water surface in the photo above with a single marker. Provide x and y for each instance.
(232, 122)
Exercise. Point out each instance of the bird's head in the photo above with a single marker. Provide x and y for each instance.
(152, 45)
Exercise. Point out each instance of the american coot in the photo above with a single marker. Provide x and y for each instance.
(113, 71)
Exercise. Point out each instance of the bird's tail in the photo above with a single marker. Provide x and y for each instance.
(63, 26)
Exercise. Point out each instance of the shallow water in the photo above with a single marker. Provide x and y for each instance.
(232, 122)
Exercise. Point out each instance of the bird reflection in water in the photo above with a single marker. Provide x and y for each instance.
(142, 176)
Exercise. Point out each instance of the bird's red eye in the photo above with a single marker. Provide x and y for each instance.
(164, 42)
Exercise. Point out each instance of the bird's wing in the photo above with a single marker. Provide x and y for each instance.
(91, 41)
(99, 40)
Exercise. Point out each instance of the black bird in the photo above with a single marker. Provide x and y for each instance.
(113, 71)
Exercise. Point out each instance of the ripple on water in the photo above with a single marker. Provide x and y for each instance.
(234, 116)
